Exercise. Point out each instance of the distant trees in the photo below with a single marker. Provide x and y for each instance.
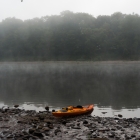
(71, 36)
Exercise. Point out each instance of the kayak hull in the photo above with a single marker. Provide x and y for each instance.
(75, 112)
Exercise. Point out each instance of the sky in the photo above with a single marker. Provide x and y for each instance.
(29, 9)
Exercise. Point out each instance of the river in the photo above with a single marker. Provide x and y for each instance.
(112, 86)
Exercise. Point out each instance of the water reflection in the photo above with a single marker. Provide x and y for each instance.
(114, 84)
(98, 111)
(127, 113)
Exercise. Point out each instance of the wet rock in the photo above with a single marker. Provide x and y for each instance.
(48, 121)
(34, 137)
(104, 112)
(5, 120)
(46, 128)
(56, 131)
(103, 130)
(10, 136)
(116, 118)
(16, 106)
(26, 137)
(75, 127)
(32, 130)
(119, 115)
(64, 122)
(132, 136)
(113, 129)
(69, 124)
(40, 127)
(38, 134)
(111, 135)
(50, 126)
(94, 135)
(101, 139)
(82, 137)
(47, 108)
(5, 126)
(78, 124)
(85, 122)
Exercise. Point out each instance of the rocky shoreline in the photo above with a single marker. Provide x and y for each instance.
(20, 124)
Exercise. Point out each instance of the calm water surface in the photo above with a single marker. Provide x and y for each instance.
(114, 87)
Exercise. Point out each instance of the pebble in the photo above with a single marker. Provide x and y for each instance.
(29, 124)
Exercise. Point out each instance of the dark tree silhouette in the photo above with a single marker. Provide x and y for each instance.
(71, 36)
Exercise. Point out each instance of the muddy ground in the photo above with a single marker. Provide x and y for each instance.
(20, 124)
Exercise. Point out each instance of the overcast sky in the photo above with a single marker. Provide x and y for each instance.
(29, 9)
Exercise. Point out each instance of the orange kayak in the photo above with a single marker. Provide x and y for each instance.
(73, 111)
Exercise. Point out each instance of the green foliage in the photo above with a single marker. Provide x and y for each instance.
(71, 36)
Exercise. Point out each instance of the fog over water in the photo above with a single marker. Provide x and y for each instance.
(111, 85)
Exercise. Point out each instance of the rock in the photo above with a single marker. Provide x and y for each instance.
(78, 124)
(56, 131)
(85, 122)
(94, 134)
(10, 136)
(113, 129)
(6, 120)
(16, 106)
(50, 126)
(119, 115)
(31, 130)
(111, 135)
(34, 137)
(47, 108)
(101, 139)
(132, 136)
(5, 126)
(81, 137)
(116, 118)
(46, 128)
(75, 127)
(104, 112)
(26, 137)
(64, 122)
(39, 127)
(41, 117)
(69, 124)
(38, 134)
(47, 138)
(48, 121)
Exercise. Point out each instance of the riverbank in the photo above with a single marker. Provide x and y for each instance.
(23, 124)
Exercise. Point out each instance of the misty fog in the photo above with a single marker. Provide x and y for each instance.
(109, 83)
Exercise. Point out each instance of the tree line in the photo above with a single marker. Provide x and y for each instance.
(71, 36)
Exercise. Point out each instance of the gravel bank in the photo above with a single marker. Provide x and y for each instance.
(20, 124)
